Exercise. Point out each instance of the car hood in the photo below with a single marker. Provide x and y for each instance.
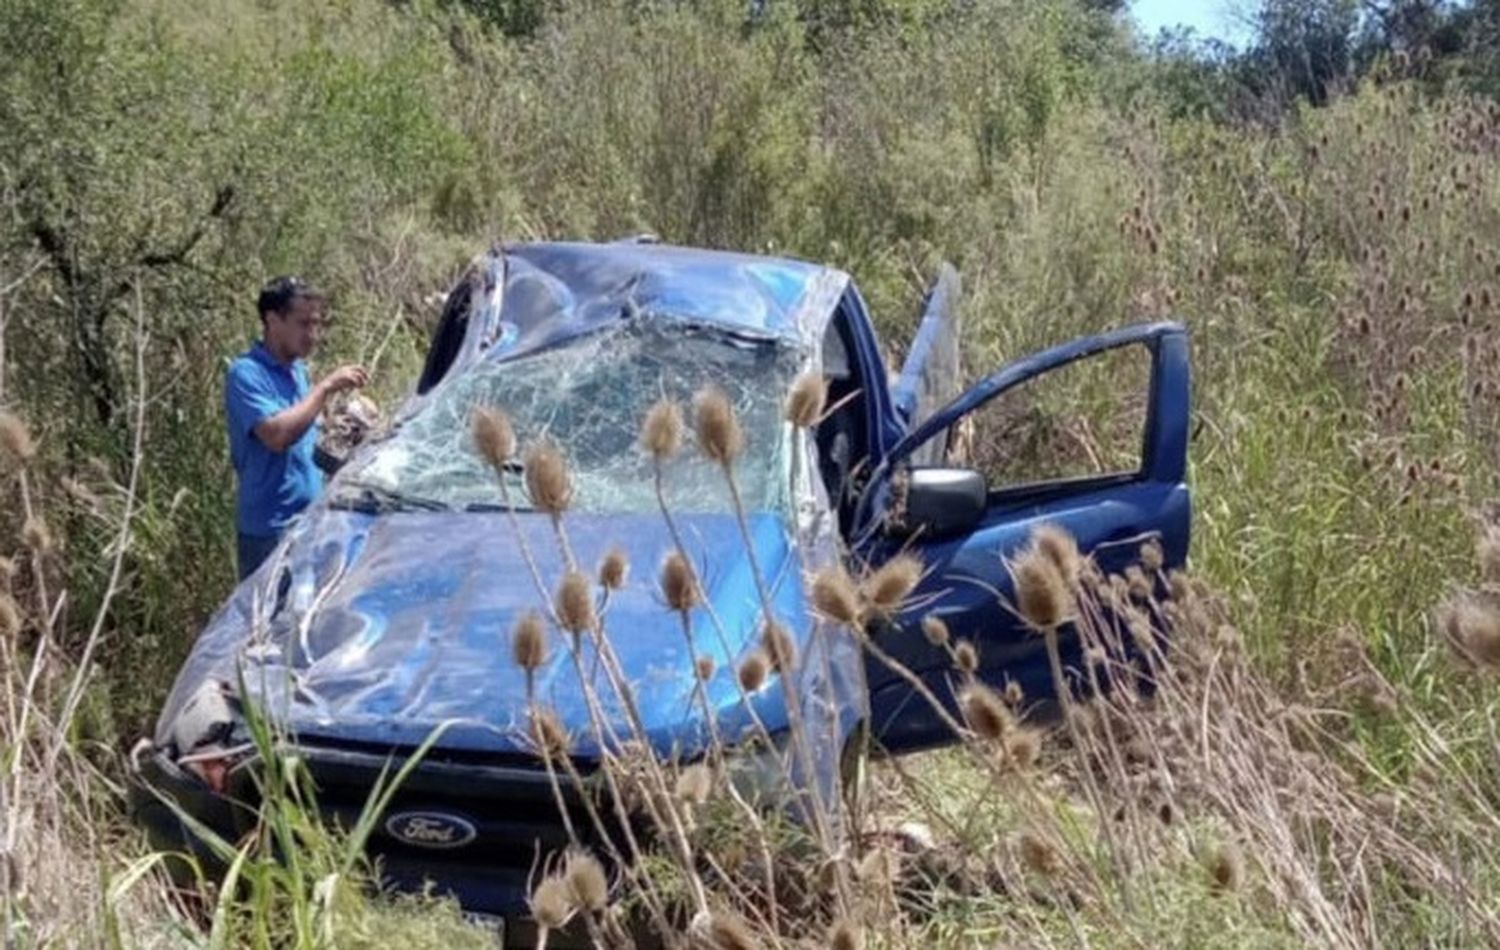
(376, 629)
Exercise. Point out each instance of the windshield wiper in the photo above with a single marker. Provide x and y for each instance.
(494, 506)
(374, 500)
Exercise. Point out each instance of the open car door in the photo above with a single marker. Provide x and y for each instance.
(931, 372)
(1090, 436)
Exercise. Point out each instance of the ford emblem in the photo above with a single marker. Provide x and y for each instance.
(430, 829)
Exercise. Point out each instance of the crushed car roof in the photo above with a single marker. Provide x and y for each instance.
(554, 291)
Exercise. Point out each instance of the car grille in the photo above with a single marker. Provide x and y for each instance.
(508, 802)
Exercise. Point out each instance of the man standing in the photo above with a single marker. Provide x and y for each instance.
(273, 417)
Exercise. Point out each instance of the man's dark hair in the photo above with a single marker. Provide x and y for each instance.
(279, 294)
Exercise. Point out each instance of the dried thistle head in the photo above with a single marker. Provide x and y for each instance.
(36, 535)
(1472, 627)
(1138, 585)
(1181, 587)
(528, 642)
(805, 400)
(717, 427)
(1054, 543)
(10, 617)
(704, 667)
(548, 733)
(753, 670)
(1040, 855)
(15, 438)
(776, 640)
(1014, 694)
(695, 783)
(613, 570)
(1153, 557)
(846, 935)
(587, 881)
(966, 657)
(661, 430)
(679, 583)
(935, 630)
(834, 595)
(493, 436)
(575, 603)
(1023, 747)
(892, 582)
(984, 712)
(728, 932)
(1226, 868)
(552, 902)
(547, 480)
(1042, 595)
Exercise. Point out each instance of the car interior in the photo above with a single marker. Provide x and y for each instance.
(842, 437)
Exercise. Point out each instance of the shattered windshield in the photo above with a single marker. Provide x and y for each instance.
(589, 396)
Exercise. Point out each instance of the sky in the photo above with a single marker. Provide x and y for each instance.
(1220, 19)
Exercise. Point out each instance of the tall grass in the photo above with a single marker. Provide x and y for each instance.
(1337, 271)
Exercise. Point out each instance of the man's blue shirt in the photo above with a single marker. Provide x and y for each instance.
(273, 486)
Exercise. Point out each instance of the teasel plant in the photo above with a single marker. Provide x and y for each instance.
(550, 488)
(1046, 575)
(495, 440)
(721, 439)
(661, 439)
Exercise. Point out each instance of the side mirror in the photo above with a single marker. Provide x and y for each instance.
(940, 502)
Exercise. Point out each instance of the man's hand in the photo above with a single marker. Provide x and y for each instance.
(281, 430)
(345, 378)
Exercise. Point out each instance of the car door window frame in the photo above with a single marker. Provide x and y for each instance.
(1163, 450)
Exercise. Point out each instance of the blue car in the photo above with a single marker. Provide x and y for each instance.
(386, 612)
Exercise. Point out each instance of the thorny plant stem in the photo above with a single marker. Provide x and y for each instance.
(708, 608)
(562, 808)
(622, 689)
(599, 722)
(562, 542)
(1120, 777)
(700, 692)
(787, 671)
(912, 680)
(701, 688)
(1096, 799)
(612, 668)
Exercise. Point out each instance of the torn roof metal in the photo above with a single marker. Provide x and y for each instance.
(555, 291)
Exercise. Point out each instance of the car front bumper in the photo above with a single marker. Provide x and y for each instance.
(512, 808)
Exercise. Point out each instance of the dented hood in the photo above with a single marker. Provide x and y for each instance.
(373, 629)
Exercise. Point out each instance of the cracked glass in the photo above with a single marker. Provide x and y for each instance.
(588, 396)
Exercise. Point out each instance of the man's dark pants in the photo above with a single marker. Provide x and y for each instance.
(253, 550)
